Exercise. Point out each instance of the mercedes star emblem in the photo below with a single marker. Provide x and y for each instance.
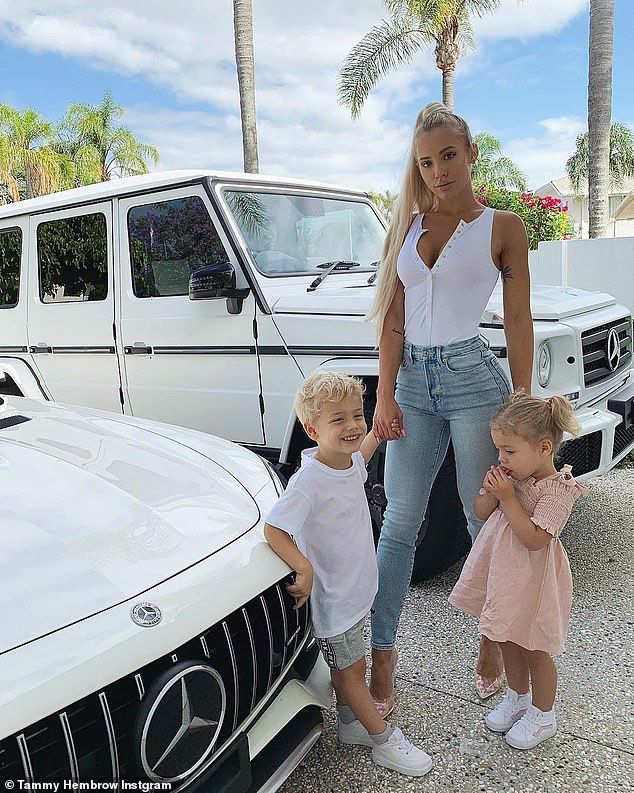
(614, 350)
(179, 722)
(146, 614)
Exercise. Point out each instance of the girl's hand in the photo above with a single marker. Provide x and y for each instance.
(489, 480)
(387, 423)
(301, 588)
(499, 484)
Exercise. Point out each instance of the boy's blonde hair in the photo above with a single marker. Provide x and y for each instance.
(323, 386)
(534, 419)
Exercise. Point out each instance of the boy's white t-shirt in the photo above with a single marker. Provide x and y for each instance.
(326, 511)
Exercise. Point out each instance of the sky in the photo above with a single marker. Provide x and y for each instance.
(171, 65)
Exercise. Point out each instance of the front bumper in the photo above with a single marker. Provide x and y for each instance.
(606, 435)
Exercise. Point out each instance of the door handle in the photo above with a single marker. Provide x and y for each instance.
(40, 348)
(138, 348)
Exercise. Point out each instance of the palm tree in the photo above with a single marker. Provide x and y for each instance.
(621, 157)
(599, 112)
(492, 169)
(28, 150)
(413, 26)
(243, 33)
(99, 148)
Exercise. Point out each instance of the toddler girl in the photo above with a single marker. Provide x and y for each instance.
(517, 578)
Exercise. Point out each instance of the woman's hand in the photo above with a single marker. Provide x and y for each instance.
(301, 588)
(387, 424)
(499, 485)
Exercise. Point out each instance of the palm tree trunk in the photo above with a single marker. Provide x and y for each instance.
(243, 31)
(448, 88)
(28, 181)
(599, 113)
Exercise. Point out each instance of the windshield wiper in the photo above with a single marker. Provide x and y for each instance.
(329, 267)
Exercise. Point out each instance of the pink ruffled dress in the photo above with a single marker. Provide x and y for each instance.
(523, 596)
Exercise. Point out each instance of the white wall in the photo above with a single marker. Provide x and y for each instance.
(603, 265)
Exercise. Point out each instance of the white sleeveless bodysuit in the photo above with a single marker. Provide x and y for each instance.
(445, 304)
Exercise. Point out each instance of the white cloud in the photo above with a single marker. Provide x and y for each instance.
(188, 49)
(543, 157)
(527, 18)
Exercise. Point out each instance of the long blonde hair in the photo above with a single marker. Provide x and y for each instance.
(414, 197)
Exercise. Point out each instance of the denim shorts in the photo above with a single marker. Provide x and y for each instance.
(346, 648)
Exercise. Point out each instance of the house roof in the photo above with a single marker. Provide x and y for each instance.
(563, 187)
(625, 210)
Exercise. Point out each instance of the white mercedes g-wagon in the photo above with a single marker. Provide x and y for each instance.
(203, 299)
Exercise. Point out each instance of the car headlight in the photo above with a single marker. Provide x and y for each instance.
(544, 363)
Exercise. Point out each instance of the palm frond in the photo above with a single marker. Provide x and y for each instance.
(390, 44)
(249, 212)
(577, 165)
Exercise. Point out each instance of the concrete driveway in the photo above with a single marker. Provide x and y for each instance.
(437, 707)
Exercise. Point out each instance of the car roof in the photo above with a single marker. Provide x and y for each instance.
(152, 181)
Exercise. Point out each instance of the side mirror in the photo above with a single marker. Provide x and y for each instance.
(215, 281)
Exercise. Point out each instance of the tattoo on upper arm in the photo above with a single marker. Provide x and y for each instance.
(505, 271)
(396, 330)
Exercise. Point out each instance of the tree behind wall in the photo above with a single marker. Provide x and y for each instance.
(243, 33)
(601, 43)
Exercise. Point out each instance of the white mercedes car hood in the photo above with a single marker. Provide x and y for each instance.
(547, 302)
(97, 508)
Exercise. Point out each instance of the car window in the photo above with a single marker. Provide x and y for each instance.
(10, 255)
(73, 259)
(298, 234)
(168, 241)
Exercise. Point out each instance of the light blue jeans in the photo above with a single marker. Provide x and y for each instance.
(444, 392)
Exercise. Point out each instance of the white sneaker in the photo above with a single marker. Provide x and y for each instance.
(354, 734)
(398, 754)
(534, 727)
(512, 707)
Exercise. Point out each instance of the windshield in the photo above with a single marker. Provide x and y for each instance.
(292, 234)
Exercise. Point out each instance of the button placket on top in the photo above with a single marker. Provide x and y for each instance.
(462, 224)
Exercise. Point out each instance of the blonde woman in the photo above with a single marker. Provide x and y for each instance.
(443, 255)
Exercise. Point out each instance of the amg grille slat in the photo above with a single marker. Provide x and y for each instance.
(284, 623)
(254, 658)
(591, 357)
(270, 633)
(114, 757)
(234, 666)
(70, 747)
(26, 758)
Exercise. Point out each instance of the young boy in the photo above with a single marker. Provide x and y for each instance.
(325, 510)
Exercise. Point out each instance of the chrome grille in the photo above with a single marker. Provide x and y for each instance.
(92, 739)
(596, 366)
